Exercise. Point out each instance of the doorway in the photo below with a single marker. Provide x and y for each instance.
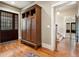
(65, 21)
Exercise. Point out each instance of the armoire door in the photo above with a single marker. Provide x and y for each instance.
(24, 29)
(28, 29)
(32, 34)
(33, 29)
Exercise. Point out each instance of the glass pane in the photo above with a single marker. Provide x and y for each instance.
(16, 21)
(6, 21)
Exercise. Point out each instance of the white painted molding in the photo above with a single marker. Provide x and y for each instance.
(53, 32)
(19, 27)
(44, 45)
(59, 3)
(23, 10)
(53, 36)
(2, 8)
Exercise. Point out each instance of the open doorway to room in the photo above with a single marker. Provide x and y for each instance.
(65, 20)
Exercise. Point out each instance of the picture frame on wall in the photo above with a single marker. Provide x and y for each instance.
(68, 27)
(73, 27)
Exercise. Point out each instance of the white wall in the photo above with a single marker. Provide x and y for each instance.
(46, 21)
(78, 8)
(6, 7)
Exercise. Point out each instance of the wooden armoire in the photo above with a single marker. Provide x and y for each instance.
(31, 33)
(8, 26)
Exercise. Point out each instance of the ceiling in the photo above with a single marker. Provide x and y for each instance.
(71, 5)
(18, 4)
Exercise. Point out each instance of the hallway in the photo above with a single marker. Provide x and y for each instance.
(69, 46)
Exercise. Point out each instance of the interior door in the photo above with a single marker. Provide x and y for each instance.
(6, 26)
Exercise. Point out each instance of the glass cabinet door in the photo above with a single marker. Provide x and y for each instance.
(16, 22)
(6, 21)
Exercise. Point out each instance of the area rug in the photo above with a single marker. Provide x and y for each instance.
(30, 55)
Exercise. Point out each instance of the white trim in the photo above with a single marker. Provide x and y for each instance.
(59, 3)
(2, 8)
(44, 45)
(52, 29)
(23, 10)
(53, 34)
(19, 27)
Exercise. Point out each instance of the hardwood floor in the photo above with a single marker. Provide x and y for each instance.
(16, 49)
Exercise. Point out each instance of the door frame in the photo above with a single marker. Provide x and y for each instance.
(53, 27)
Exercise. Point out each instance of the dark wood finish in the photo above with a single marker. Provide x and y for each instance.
(0, 27)
(71, 25)
(32, 34)
(73, 31)
(11, 34)
(67, 30)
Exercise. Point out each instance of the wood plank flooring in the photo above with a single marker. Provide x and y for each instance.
(17, 49)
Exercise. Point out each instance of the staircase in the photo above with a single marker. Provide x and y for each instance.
(59, 37)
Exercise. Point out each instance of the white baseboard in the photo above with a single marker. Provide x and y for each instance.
(48, 46)
(19, 37)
